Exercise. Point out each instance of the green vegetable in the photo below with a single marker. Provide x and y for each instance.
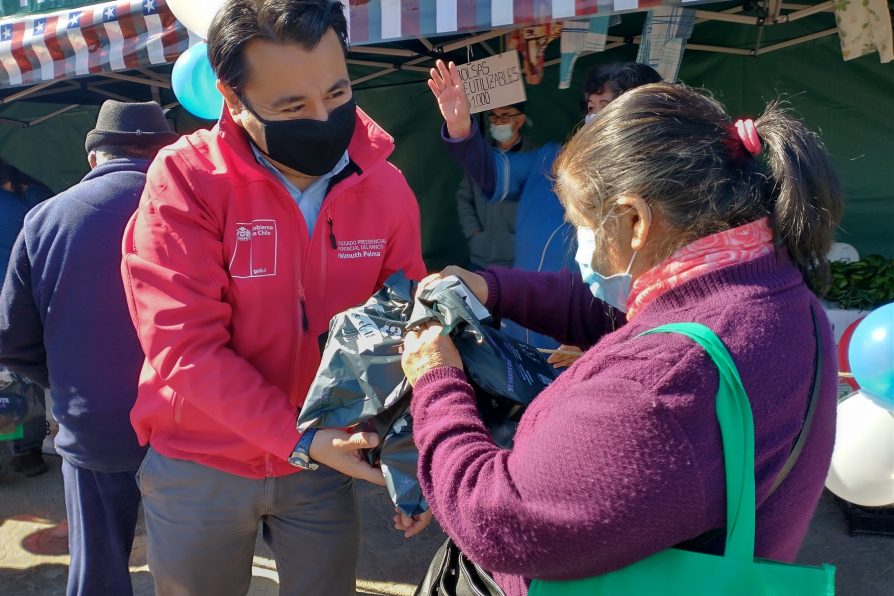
(863, 285)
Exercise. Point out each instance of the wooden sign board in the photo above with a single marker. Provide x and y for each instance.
(493, 82)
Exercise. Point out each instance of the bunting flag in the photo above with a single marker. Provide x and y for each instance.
(14, 7)
(531, 43)
(865, 27)
(665, 32)
(579, 38)
(123, 34)
(375, 21)
(104, 37)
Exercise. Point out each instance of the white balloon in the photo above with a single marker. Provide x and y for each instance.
(196, 15)
(862, 470)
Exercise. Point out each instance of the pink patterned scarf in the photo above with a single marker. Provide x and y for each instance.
(738, 245)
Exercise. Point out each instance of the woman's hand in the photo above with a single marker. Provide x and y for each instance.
(341, 451)
(565, 356)
(447, 86)
(411, 526)
(427, 349)
(473, 281)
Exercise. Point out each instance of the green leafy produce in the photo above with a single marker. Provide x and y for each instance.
(862, 285)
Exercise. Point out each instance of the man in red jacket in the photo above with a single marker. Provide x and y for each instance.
(248, 239)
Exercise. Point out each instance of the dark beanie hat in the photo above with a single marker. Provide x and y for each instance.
(132, 124)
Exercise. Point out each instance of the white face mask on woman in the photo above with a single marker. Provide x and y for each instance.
(614, 290)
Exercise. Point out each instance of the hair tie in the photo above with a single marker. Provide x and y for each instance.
(748, 135)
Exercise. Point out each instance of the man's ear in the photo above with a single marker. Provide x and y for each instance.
(91, 159)
(231, 98)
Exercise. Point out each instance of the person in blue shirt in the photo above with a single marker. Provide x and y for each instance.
(544, 241)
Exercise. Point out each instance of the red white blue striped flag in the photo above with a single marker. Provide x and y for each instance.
(124, 34)
(104, 37)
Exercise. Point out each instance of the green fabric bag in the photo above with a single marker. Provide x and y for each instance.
(737, 572)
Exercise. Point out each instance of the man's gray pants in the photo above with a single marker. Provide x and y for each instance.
(202, 526)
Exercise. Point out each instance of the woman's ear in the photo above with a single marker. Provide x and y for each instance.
(640, 219)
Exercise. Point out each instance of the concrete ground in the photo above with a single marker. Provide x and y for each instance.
(34, 552)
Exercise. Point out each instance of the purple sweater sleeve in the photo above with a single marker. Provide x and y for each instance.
(555, 304)
(597, 469)
(474, 157)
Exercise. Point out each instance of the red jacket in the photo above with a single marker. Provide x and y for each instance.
(229, 292)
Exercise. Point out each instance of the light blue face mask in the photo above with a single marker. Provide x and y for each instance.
(614, 290)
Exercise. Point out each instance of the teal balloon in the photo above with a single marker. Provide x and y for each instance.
(195, 84)
(871, 356)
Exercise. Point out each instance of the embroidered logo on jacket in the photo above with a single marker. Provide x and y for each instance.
(256, 248)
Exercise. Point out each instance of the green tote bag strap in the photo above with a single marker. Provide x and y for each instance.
(677, 572)
(737, 433)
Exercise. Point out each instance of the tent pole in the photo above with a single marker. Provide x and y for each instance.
(37, 121)
(109, 94)
(386, 65)
(728, 18)
(733, 10)
(27, 92)
(382, 51)
(774, 11)
(389, 70)
(426, 43)
(153, 75)
(473, 39)
(488, 49)
(791, 6)
(800, 14)
(133, 79)
(719, 49)
(796, 41)
(54, 91)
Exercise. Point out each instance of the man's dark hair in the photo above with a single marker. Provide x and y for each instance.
(301, 22)
(619, 77)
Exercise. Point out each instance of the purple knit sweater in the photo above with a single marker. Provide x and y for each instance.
(621, 456)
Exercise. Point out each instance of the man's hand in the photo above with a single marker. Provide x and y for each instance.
(447, 86)
(411, 526)
(428, 349)
(341, 451)
(473, 281)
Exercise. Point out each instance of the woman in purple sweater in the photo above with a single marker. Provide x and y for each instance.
(621, 456)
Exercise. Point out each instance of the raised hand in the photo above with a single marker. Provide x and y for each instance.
(447, 87)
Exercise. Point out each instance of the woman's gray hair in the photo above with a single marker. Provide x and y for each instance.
(678, 150)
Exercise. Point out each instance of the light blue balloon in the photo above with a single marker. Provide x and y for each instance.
(195, 84)
(871, 356)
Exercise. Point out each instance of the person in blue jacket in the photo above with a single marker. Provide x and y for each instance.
(30, 191)
(544, 241)
(27, 451)
(65, 324)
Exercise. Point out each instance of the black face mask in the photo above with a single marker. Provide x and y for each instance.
(312, 147)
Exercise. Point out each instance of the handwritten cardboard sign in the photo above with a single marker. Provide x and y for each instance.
(493, 82)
